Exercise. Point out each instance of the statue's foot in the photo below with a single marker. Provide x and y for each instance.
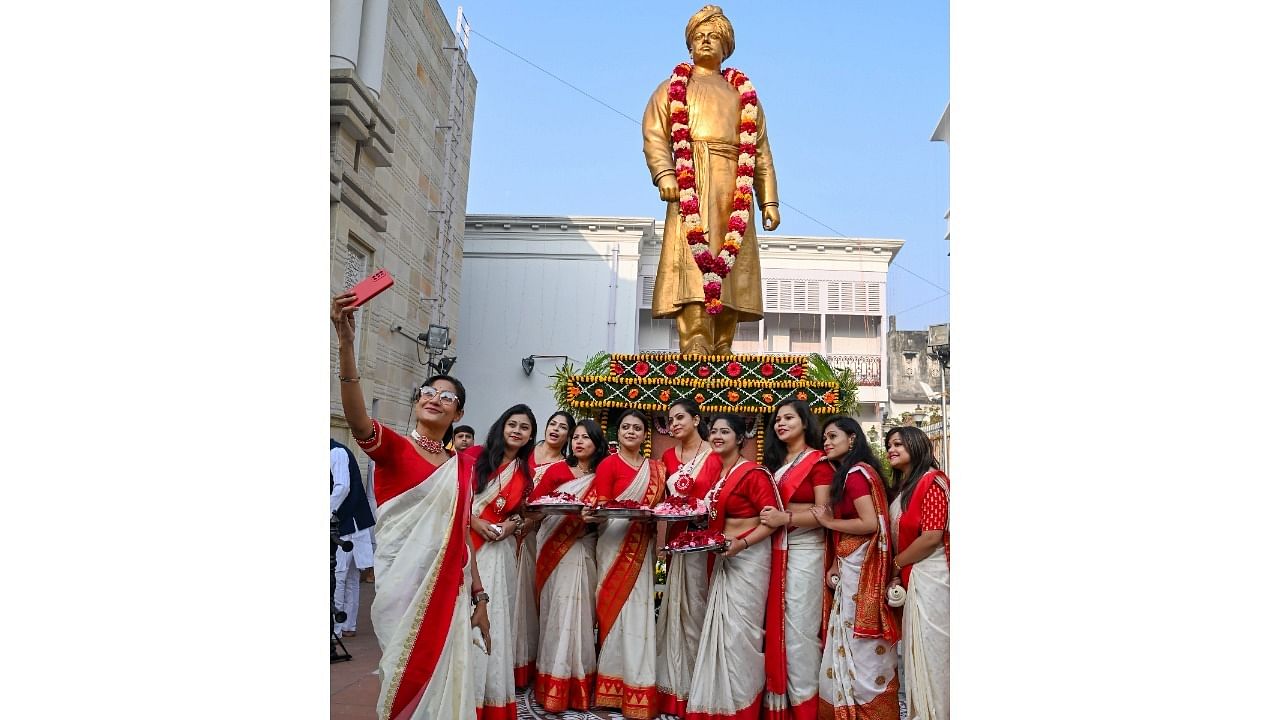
(695, 347)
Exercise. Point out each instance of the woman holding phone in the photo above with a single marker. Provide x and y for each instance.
(422, 612)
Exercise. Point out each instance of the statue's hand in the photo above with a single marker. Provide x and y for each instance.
(667, 188)
(771, 218)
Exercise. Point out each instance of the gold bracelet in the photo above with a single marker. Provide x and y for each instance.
(349, 379)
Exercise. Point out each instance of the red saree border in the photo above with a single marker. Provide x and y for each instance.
(640, 703)
(559, 694)
(620, 580)
(438, 613)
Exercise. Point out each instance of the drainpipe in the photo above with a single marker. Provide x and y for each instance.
(613, 302)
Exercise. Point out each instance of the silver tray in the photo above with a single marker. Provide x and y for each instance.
(624, 513)
(556, 508)
(679, 518)
(704, 548)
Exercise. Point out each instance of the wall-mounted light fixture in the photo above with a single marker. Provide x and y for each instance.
(435, 340)
(526, 363)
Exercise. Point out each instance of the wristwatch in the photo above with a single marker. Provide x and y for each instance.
(479, 597)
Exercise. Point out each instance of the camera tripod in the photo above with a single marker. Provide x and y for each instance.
(335, 615)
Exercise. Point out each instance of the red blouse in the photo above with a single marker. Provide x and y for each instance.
(400, 466)
(933, 509)
(553, 478)
(752, 494)
(820, 474)
(855, 486)
(613, 476)
(706, 478)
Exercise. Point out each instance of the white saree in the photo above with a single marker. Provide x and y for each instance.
(627, 670)
(806, 559)
(926, 633)
(421, 538)
(496, 562)
(728, 675)
(858, 676)
(566, 614)
(524, 631)
(680, 617)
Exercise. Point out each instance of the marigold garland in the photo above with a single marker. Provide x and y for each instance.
(714, 269)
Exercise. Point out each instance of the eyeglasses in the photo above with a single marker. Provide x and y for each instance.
(430, 393)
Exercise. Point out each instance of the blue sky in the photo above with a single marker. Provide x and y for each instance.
(852, 91)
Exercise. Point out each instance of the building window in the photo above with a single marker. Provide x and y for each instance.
(747, 338)
(805, 340)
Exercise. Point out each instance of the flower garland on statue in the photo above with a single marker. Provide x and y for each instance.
(714, 269)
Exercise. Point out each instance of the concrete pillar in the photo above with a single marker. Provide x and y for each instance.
(373, 44)
(344, 33)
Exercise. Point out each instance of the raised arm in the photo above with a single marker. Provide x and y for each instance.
(348, 374)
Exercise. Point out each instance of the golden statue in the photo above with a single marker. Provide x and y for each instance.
(703, 130)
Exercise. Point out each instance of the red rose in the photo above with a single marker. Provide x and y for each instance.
(738, 79)
(796, 371)
(670, 369)
(703, 371)
(748, 126)
(675, 91)
(616, 367)
(741, 202)
(642, 368)
(681, 134)
(705, 261)
(711, 290)
(680, 117)
(683, 70)
(697, 236)
(685, 153)
(684, 181)
(749, 97)
(734, 369)
(745, 171)
(737, 223)
(766, 369)
(747, 148)
(689, 207)
(720, 267)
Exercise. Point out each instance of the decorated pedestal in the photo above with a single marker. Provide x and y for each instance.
(751, 385)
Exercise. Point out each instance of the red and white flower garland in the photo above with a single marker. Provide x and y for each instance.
(714, 269)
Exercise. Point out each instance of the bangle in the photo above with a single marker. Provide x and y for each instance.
(774, 204)
(480, 597)
(791, 518)
(897, 565)
(349, 379)
(745, 543)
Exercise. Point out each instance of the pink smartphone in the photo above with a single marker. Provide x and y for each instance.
(370, 287)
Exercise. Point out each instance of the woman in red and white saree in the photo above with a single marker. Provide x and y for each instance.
(499, 496)
(565, 578)
(524, 632)
(803, 478)
(690, 467)
(860, 662)
(626, 666)
(729, 673)
(423, 565)
(918, 519)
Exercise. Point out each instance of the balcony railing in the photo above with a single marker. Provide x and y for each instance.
(866, 368)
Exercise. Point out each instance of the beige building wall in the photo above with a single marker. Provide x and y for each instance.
(398, 171)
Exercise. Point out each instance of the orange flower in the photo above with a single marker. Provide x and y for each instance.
(699, 398)
(633, 393)
(767, 397)
(664, 396)
(802, 395)
(599, 392)
(733, 396)
(574, 391)
(830, 397)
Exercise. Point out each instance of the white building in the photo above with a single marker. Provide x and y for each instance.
(575, 286)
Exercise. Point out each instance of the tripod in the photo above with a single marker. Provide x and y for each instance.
(336, 615)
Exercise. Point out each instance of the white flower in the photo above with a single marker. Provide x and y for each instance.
(734, 235)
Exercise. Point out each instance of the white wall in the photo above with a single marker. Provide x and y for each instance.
(543, 291)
